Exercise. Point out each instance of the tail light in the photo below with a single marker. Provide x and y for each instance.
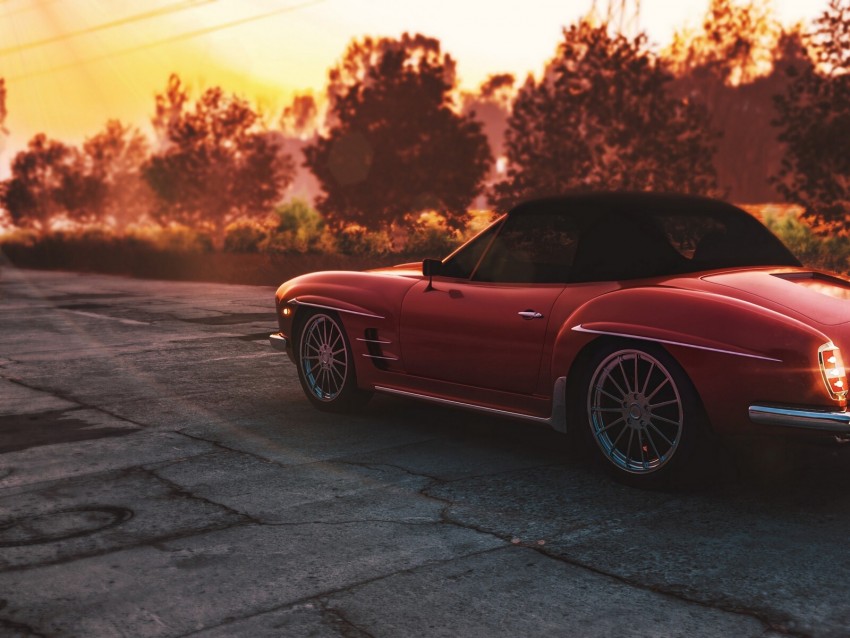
(832, 369)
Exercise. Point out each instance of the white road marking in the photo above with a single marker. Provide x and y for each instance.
(129, 322)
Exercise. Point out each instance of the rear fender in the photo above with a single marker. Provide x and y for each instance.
(733, 351)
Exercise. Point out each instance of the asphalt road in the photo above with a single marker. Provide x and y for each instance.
(161, 474)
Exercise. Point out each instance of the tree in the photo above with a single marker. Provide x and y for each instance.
(734, 66)
(299, 119)
(601, 118)
(491, 105)
(114, 157)
(3, 111)
(216, 161)
(814, 125)
(48, 180)
(396, 144)
(736, 43)
(299, 124)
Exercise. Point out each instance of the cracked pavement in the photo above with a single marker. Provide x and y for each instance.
(161, 474)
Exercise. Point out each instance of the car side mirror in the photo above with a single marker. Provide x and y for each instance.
(431, 267)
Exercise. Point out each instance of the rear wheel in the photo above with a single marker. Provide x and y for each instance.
(644, 417)
(326, 366)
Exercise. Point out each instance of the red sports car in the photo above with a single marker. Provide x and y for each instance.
(646, 320)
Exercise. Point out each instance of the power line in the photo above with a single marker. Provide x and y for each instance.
(172, 8)
(177, 38)
(39, 4)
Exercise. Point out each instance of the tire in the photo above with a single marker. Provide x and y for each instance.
(326, 364)
(644, 418)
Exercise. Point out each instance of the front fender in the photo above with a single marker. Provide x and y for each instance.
(368, 304)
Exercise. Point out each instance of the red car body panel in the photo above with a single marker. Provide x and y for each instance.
(736, 345)
(743, 336)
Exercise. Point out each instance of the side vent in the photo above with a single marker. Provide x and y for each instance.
(375, 347)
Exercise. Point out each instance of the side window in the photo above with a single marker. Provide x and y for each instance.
(531, 248)
(688, 233)
(618, 246)
(463, 261)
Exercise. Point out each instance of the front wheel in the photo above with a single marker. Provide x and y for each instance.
(644, 417)
(326, 366)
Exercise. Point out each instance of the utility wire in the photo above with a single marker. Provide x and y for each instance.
(35, 6)
(182, 36)
(172, 8)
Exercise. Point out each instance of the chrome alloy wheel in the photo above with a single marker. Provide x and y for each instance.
(323, 357)
(635, 411)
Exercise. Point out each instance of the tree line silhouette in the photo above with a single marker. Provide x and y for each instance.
(742, 108)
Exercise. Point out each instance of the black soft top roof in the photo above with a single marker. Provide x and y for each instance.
(630, 203)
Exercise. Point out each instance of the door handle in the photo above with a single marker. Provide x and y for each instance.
(530, 314)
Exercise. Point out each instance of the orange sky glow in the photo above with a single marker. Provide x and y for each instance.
(72, 65)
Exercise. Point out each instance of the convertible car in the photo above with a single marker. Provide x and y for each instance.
(649, 322)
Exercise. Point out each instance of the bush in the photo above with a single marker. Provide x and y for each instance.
(174, 237)
(296, 227)
(244, 236)
(431, 236)
(19, 237)
(357, 240)
(828, 253)
(431, 242)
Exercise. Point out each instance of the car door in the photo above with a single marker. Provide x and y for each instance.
(486, 328)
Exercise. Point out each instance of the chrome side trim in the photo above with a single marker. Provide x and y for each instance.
(277, 341)
(383, 358)
(580, 328)
(557, 420)
(373, 340)
(833, 422)
(295, 302)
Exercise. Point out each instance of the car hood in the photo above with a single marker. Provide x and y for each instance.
(821, 297)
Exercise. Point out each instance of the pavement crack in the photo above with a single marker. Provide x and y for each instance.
(183, 492)
(770, 624)
(371, 521)
(320, 599)
(72, 399)
(12, 628)
(226, 448)
(435, 480)
(151, 542)
(339, 622)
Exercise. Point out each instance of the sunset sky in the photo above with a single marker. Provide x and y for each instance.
(72, 64)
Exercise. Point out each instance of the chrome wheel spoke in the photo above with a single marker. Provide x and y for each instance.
(611, 425)
(636, 386)
(631, 440)
(661, 434)
(625, 377)
(640, 448)
(324, 357)
(660, 385)
(662, 403)
(655, 417)
(618, 399)
(619, 436)
(648, 376)
(622, 392)
(651, 442)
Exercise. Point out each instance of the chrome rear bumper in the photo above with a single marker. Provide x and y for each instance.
(828, 421)
(277, 341)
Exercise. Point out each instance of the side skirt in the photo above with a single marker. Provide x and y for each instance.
(557, 420)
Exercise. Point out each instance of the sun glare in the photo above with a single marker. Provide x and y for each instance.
(71, 66)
